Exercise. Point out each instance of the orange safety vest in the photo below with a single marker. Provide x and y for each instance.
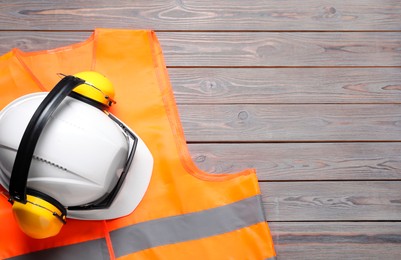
(185, 213)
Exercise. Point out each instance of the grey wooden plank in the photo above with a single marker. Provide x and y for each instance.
(201, 15)
(39, 40)
(246, 49)
(286, 85)
(282, 49)
(332, 200)
(302, 161)
(337, 240)
(289, 123)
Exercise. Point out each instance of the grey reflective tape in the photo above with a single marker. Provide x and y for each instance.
(187, 227)
(271, 258)
(89, 250)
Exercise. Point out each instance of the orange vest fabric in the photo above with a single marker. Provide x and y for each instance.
(185, 213)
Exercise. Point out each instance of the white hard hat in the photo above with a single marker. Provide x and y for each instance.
(85, 159)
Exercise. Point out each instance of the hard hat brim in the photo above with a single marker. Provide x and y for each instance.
(131, 192)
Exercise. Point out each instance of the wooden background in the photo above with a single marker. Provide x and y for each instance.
(307, 92)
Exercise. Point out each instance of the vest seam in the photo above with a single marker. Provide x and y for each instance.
(175, 123)
(109, 243)
(94, 39)
(25, 67)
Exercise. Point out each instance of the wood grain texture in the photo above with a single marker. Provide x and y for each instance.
(39, 40)
(303, 161)
(286, 85)
(282, 49)
(337, 240)
(247, 49)
(332, 200)
(289, 123)
(202, 15)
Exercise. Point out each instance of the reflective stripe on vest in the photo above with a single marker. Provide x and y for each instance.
(164, 231)
(89, 250)
(175, 229)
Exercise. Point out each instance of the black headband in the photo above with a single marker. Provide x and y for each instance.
(22, 163)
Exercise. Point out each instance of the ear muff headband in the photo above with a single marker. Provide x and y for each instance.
(19, 176)
(22, 163)
(38, 214)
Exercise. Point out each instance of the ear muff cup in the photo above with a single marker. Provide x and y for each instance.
(39, 218)
(96, 87)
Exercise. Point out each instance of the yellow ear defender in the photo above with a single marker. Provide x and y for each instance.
(39, 218)
(96, 87)
(39, 215)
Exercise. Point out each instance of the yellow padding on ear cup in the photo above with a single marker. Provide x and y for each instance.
(97, 87)
(37, 217)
